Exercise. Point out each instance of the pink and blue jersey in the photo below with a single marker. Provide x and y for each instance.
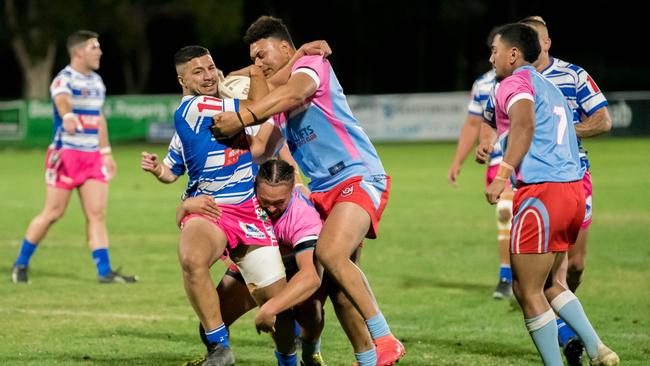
(223, 172)
(87, 93)
(553, 153)
(299, 224)
(323, 135)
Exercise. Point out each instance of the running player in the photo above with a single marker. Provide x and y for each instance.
(541, 150)
(350, 187)
(79, 157)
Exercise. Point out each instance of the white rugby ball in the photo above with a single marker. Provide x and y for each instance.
(235, 86)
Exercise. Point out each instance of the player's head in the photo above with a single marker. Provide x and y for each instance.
(274, 185)
(514, 45)
(83, 48)
(270, 44)
(539, 24)
(196, 72)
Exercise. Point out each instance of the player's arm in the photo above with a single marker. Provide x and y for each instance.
(301, 286)
(266, 143)
(522, 128)
(202, 204)
(150, 163)
(598, 123)
(468, 136)
(258, 88)
(105, 147)
(288, 96)
(285, 155)
(63, 103)
(487, 136)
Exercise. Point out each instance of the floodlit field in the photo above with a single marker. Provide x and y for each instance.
(433, 269)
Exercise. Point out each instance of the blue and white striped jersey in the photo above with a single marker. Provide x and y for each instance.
(87, 93)
(224, 172)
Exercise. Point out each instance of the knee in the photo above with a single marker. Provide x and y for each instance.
(327, 257)
(504, 215)
(53, 215)
(192, 264)
(576, 264)
(96, 215)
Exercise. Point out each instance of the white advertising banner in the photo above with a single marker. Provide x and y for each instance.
(411, 117)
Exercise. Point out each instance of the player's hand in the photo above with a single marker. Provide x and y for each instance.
(71, 124)
(494, 190)
(203, 205)
(264, 321)
(483, 151)
(254, 70)
(149, 163)
(453, 173)
(315, 48)
(225, 125)
(110, 165)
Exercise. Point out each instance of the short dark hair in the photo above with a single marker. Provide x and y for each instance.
(187, 53)
(79, 37)
(275, 172)
(267, 26)
(523, 37)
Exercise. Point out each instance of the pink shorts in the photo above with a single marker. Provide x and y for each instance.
(68, 169)
(245, 224)
(546, 217)
(371, 195)
(586, 185)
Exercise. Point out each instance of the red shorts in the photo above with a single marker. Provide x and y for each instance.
(243, 224)
(68, 169)
(546, 217)
(587, 187)
(370, 194)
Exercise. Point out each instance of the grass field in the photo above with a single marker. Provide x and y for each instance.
(433, 269)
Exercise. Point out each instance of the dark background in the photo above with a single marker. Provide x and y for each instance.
(387, 47)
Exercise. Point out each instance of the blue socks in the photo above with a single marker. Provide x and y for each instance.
(505, 273)
(286, 360)
(564, 332)
(26, 251)
(569, 308)
(377, 326)
(367, 358)
(218, 335)
(103, 263)
(543, 331)
(309, 348)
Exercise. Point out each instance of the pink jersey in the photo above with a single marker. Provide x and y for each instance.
(298, 224)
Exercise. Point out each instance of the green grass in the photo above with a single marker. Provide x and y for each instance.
(433, 269)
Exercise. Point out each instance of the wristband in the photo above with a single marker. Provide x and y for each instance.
(504, 172)
(69, 115)
(240, 120)
(162, 171)
(255, 119)
(105, 150)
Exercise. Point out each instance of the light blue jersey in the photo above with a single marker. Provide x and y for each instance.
(553, 153)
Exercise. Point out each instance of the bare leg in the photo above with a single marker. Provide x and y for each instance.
(94, 198)
(577, 256)
(56, 201)
(342, 232)
(201, 244)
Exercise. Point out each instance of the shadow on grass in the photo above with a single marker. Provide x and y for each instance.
(411, 282)
(505, 350)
